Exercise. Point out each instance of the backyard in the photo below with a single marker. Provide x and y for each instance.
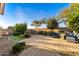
(39, 45)
(49, 32)
(45, 45)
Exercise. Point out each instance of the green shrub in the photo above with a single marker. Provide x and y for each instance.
(20, 28)
(61, 31)
(49, 33)
(27, 34)
(42, 32)
(16, 34)
(18, 47)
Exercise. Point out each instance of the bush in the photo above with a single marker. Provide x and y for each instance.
(33, 32)
(18, 47)
(16, 34)
(61, 31)
(50, 33)
(20, 28)
(27, 34)
(42, 32)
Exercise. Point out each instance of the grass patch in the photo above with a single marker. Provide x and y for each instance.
(16, 38)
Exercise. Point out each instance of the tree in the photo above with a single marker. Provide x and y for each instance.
(43, 20)
(74, 24)
(72, 16)
(20, 28)
(70, 12)
(52, 24)
(36, 23)
(65, 13)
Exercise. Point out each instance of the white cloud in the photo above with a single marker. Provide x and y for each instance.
(3, 22)
(30, 27)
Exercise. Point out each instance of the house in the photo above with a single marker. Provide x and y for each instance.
(4, 32)
(63, 26)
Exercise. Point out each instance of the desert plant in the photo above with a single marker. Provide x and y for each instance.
(27, 34)
(18, 47)
(20, 28)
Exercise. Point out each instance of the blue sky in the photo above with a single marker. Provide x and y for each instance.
(27, 12)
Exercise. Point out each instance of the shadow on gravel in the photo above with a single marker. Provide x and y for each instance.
(16, 54)
(35, 51)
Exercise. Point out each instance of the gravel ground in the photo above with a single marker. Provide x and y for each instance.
(5, 47)
(34, 51)
(48, 46)
(39, 45)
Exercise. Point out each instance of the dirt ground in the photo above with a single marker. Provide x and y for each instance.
(48, 46)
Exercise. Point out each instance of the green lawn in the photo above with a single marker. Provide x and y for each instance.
(16, 38)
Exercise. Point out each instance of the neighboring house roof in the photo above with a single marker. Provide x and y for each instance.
(62, 23)
(6, 31)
